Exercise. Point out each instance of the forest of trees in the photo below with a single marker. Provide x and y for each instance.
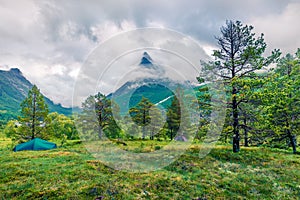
(263, 102)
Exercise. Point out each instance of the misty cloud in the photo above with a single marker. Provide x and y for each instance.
(50, 40)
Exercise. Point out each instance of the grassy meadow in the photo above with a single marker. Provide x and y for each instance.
(70, 172)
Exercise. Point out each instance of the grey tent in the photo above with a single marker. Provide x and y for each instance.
(181, 138)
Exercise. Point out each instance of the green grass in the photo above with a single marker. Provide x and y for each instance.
(72, 173)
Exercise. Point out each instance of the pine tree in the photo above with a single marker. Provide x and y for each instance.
(281, 101)
(97, 115)
(156, 123)
(34, 112)
(140, 114)
(240, 55)
(173, 117)
(205, 107)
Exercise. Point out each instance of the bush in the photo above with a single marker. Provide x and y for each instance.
(156, 148)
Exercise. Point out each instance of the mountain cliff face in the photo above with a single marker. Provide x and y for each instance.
(13, 89)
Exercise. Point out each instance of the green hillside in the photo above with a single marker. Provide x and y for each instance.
(156, 93)
(13, 89)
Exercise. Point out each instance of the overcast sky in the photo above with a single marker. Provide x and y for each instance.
(49, 40)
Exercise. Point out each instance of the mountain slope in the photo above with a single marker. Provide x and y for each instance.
(154, 92)
(159, 91)
(13, 89)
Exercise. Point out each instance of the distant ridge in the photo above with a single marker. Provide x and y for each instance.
(14, 88)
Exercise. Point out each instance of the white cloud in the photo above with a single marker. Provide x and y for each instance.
(108, 29)
(49, 40)
(281, 29)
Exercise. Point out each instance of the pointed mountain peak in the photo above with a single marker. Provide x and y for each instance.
(146, 55)
(15, 70)
(146, 59)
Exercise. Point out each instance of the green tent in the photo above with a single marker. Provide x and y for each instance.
(35, 144)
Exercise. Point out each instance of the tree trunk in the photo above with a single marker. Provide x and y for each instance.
(291, 137)
(246, 133)
(33, 117)
(144, 124)
(100, 133)
(144, 132)
(152, 136)
(100, 122)
(293, 142)
(236, 135)
(225, 137)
